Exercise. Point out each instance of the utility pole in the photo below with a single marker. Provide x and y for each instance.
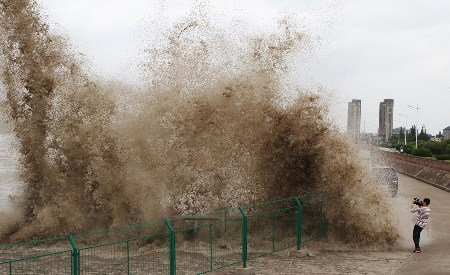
(417, 117)
(406, 123)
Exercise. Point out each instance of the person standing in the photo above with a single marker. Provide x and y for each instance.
(423, 212)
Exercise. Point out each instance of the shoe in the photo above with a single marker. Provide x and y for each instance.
(418, 250)
(414, 251)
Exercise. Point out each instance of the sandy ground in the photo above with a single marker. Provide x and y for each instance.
(435, 243)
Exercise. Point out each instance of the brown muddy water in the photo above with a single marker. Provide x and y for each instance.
(211, 128)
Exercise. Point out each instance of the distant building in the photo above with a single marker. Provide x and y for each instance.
(447, 133)
(354, 119)
(386, 119)
(436, 139)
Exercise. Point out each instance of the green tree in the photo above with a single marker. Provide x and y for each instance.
(412, 134)
(423, 134)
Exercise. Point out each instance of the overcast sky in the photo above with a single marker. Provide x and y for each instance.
(369, 50)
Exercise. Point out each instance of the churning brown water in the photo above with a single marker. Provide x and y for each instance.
(210, 129)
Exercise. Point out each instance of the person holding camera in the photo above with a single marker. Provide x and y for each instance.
(423, 212)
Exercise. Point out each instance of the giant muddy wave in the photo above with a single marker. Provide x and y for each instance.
(210, 128)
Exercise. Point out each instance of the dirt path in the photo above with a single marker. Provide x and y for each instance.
(435, 242)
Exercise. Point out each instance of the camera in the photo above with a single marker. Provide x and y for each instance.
(418, 202)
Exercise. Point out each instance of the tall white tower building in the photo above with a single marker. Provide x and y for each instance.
(386, 119)
(354, 119)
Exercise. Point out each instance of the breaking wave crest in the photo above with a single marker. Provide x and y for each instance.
(211, 128)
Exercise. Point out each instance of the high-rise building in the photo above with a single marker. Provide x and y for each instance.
(354, 119)
(386, 119)
(446, 133)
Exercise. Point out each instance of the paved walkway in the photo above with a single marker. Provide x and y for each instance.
(435, 258)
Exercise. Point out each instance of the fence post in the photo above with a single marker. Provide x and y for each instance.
(172, 248)
(128, 257)
(299, 222)
(75, 256)
(244, 236)
(210, 247)
(273, 232)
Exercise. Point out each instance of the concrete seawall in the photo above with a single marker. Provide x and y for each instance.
(433, 172)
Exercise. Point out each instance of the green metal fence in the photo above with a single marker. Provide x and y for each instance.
(49, 256)
(194, 244)
(138, 249)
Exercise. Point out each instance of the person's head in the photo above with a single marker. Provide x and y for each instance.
(426, 201)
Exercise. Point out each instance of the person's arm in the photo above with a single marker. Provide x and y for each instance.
(414, 209)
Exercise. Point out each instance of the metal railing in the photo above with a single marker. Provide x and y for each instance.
(194, 244)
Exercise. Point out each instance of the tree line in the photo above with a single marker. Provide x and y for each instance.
(425, 146)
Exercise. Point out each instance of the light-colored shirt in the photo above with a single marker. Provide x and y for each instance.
(423, 215)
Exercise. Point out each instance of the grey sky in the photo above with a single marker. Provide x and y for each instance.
(369, 50)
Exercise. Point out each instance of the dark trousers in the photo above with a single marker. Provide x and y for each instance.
(416, 235)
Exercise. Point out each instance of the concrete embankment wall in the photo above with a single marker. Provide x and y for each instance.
(434, 172)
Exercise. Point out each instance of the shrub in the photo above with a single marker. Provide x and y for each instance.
(443, 157)
(408, 149)
(437, 148)
(422, 144)
(422, 152)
